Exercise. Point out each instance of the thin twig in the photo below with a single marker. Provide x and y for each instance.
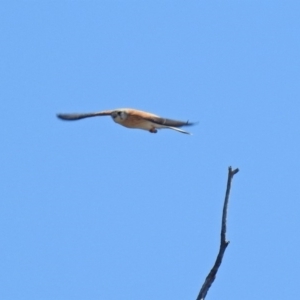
(223, 245)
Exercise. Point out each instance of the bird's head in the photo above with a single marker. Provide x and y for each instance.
(119, 115)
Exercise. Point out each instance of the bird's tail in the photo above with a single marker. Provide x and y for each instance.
(179, 130)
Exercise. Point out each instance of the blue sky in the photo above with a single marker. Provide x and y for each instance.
(92, 210)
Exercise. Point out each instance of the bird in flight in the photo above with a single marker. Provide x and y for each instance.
(132, 118)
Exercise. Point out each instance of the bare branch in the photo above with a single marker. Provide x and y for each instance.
(223, 245)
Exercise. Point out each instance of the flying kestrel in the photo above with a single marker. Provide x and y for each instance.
(132, 118)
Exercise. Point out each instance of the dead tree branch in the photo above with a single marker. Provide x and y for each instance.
(223, 245)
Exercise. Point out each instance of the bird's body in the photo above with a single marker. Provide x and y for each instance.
(133, 118)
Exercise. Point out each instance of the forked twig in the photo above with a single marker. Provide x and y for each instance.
(223, 245)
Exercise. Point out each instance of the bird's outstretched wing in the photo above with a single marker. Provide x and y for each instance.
(169, 122)
(78, 116)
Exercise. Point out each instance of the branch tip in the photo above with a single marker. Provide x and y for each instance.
(235, 171)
